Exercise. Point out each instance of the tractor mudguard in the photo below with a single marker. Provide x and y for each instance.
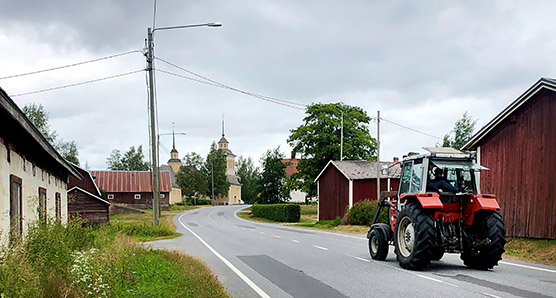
(479, 202)
(386, 231)
(426, 200)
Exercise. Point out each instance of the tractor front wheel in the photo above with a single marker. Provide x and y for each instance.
(378, 245)
(414, 237)
(488, 228)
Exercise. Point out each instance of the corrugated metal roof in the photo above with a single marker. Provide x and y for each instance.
(362, 169)
(130, 181)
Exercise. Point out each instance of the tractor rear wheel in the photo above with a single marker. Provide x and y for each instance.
(378, 245)
(487, 224)
(437, 253)
(414, 237)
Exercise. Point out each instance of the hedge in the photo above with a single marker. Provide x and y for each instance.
(278, 212)
(362, 213)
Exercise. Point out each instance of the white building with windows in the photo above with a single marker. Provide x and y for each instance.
(33, 175)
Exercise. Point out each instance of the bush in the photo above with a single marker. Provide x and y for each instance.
(362, 213)
(278, 212)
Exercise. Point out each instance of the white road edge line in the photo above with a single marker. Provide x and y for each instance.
(437, 280)
(358, 258)
(313, 230)
(490, 295)
(230, 265)
(320, 247)
(529, 267)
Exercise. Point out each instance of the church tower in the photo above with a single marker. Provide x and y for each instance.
(174, 162)
(234, 193)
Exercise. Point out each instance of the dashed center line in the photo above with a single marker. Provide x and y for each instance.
(320, 247)
(276, 236)
(296, 241)
(262, 233)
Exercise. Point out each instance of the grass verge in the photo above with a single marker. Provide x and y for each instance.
(540, 251)
(81, 261)
(139, 225)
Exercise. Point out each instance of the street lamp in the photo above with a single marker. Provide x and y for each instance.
(152, 114)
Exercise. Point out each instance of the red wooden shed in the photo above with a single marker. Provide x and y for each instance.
(518, 148)
(343, 183)
(84, 198)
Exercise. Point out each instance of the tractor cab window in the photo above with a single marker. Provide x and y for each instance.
(411, 177)
(460, 174)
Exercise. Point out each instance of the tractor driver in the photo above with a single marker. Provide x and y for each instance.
(437, 182)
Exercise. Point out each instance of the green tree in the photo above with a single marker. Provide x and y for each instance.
(461, 134)
(216, 164)
(190, 178)
(273, 176)
(318, 140)
(40, 117)
(132, 160)
(249, 177)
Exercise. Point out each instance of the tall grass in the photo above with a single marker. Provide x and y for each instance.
(80, 261)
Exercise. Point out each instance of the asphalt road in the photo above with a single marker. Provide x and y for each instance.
(254, 259)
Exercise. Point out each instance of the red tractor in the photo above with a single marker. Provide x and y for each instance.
(439, 208)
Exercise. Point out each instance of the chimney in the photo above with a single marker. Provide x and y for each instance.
(396, 159)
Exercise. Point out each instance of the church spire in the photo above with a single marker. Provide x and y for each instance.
(222, 124)
(173, 137)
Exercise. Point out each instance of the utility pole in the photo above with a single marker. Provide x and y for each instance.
(342, 138)
(154, 138)
(378, 155)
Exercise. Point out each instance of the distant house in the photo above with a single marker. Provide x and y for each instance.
(518, 148)
(341, 184)
(33, 175)
(291, 168)
(132, 188)
(85, 200)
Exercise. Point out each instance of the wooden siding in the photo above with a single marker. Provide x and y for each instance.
(87, 207)
(86, 183)
(519, 154)
(333, 194)
(128, 198)
(366, 189)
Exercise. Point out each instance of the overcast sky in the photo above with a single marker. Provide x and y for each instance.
(423, 64)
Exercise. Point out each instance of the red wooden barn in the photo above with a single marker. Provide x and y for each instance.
(344, 183)
(132, 188)
(518, 147)
(84, 198)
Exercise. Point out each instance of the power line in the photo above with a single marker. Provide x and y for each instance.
(261, 97)
(77, 84)
(284, 102)
(70, 65)
(412, 129)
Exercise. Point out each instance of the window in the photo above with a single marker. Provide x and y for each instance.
(162, 196)
(406, 177)
(137, 196)
(42, 204)
(16, 223)
(58, 206)
(110, 196)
